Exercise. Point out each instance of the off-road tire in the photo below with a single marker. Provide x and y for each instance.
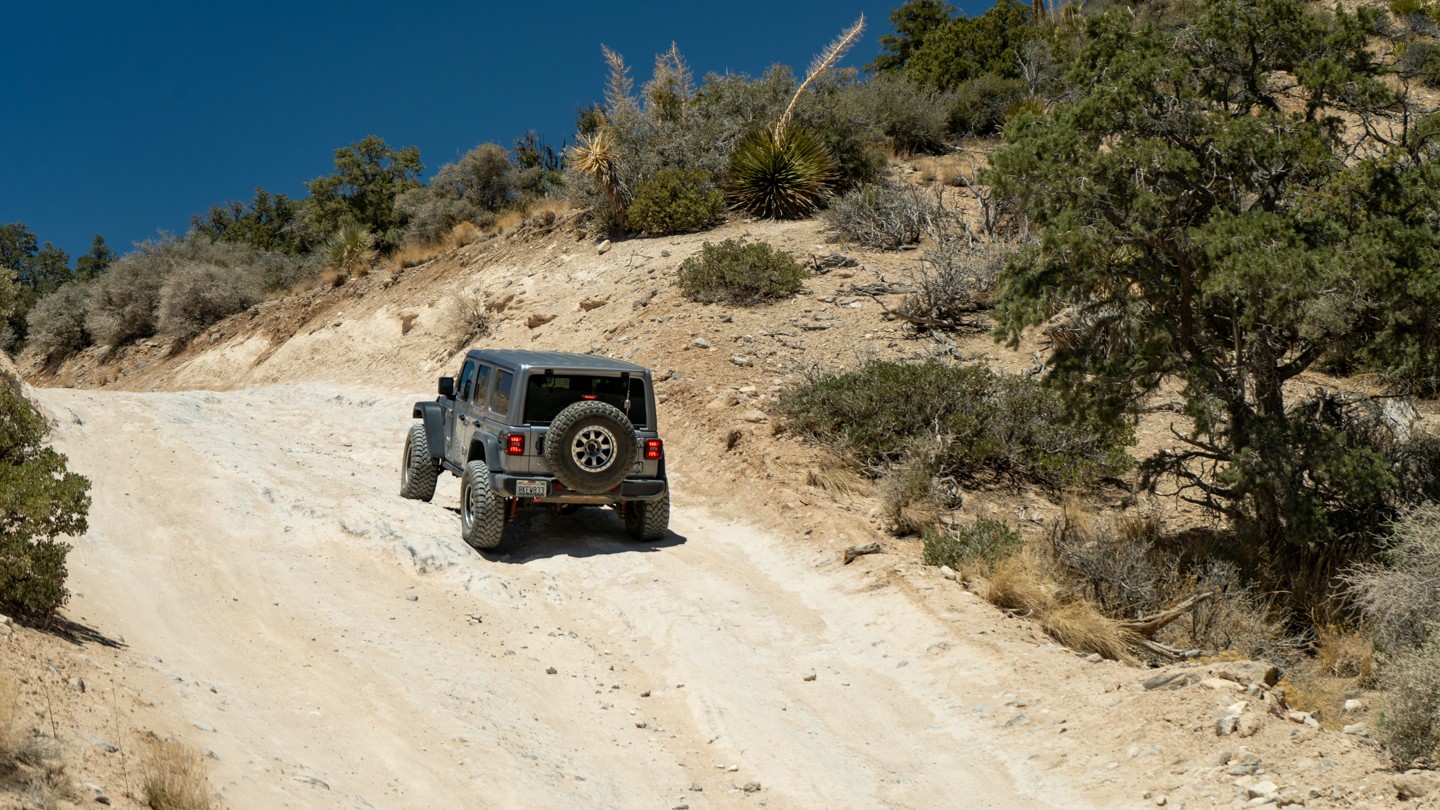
(482, 510)
(418, 470)
(591, 447)
(647, 521)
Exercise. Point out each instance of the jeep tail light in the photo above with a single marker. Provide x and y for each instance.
(589, 396)
(514, 444)
(654, 449)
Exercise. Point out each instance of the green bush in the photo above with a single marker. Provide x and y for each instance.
(40, 500)
(740, 272)
(788, 177)
(881, 216)
(676, 201)
(987, 542)
(982, 427)
(966, 47)
(57, 323)
(982, 104)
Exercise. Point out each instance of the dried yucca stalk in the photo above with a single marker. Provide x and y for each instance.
(818, 67)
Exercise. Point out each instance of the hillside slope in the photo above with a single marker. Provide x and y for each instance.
(276, 596)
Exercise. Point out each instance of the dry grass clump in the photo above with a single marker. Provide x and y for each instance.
(13, 736)
(836, 476)
(175, 777)
(1020, 585)
(1081, 627)
(462, 234)
(507, 222)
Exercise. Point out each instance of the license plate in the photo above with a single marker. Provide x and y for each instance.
(531, 489)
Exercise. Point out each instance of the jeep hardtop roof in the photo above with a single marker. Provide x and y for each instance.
(522, 360)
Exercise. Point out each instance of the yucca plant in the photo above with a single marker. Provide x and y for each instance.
(598, 157)
(788, 177)
(784, 172)
(351, 250)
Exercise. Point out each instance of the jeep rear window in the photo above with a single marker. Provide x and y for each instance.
(548, 394)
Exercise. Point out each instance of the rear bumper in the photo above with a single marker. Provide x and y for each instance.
(631, 489)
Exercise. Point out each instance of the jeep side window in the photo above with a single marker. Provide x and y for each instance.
(482, 384)
(500, 397)
(467, 381)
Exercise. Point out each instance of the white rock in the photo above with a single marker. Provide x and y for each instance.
(947, 572)
(1352, 706)
(1357, 730)
(1263, 790)
(604, 247)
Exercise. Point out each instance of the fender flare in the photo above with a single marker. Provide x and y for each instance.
(434, 419)
(485, 447)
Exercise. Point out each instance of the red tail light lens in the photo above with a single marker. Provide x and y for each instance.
(515, 444)
(654, 449)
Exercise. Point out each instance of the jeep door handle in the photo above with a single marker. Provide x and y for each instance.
(464, 420)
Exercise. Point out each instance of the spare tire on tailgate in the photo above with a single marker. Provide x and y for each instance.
(591, 447)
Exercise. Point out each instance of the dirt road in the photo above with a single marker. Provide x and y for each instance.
(336, 646)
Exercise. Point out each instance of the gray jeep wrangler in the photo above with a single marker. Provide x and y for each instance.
(526, 428)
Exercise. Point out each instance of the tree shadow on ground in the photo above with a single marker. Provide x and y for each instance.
(77, 633)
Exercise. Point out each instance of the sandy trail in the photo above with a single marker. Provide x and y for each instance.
(336, 646)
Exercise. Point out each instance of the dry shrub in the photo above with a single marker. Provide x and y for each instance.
(925, 170)
(1400, 596)
(333, 277)
(466, 317)
(175, 777)
(956, 280)
(909, 497)
(1116, 563)
(882, 216)
(1081, 627)
(1410, 721)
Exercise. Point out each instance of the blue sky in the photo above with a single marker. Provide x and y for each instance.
(126, 118)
